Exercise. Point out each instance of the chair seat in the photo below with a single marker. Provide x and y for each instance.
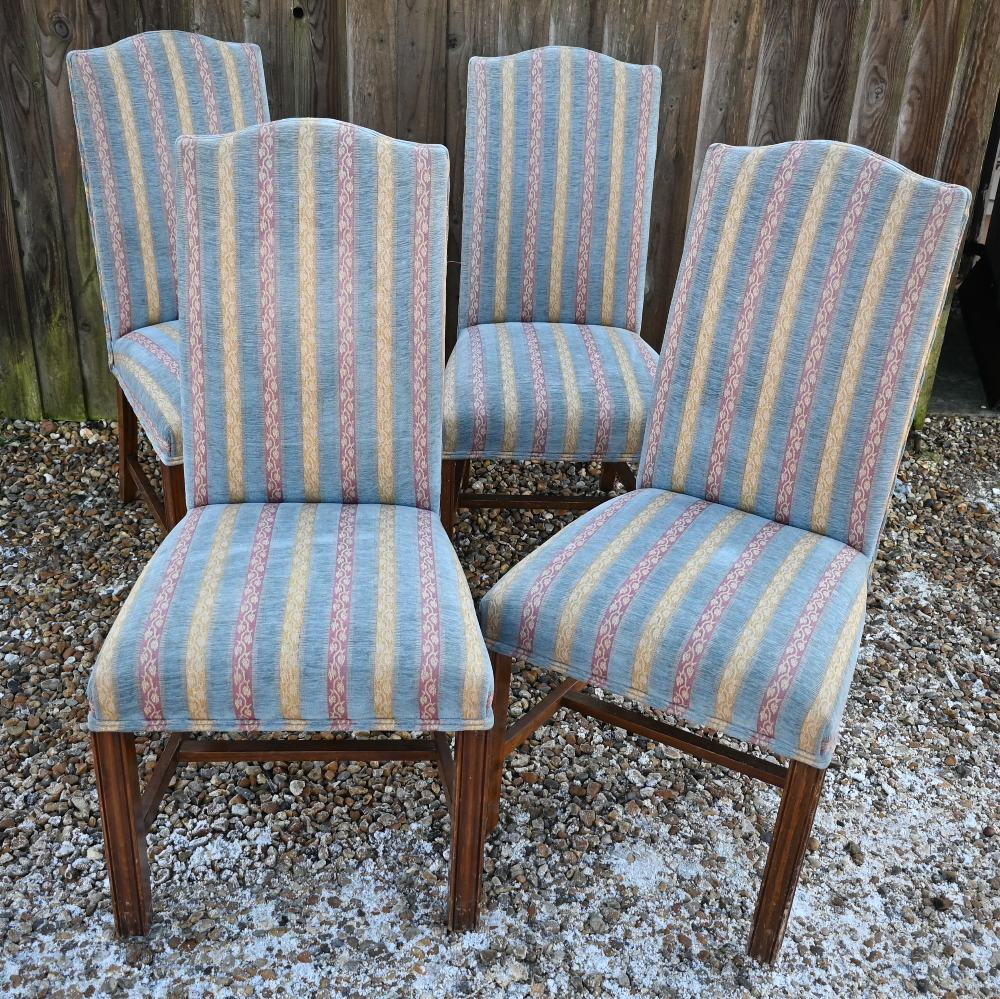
(296, 616)
(722, 618)
(146, 363)
(547, 390)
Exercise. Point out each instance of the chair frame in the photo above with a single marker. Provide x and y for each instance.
(128, 814)
(800, 784)
(132, 478)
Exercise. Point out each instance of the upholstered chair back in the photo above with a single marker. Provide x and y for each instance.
(813, 277)
(131, 101)
(312, 279)
(559, 153)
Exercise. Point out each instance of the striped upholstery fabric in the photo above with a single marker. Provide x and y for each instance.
(312, 291)
(720, 617)
(291, 616)
(812, 280)
(147, 366)
(559, 153)
(730, 589)
(552, 390)
(315, 268)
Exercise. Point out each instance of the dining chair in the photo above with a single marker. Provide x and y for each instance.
(549, 364)
(310, 586)
(131, 100)
(729, 589)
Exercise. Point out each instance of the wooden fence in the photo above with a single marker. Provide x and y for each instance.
(915, 79)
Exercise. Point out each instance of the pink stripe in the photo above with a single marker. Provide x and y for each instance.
(678, 312)
(170, 363)
(694, 650)
(533, 600)
(886, 391)
(791, 659)
(150, 684)
(195, 337)
(430, 619)
(534, 188)
(246, 619)
(270, 375)
(622, 600)
(603, 437)
(478, 195)
(639, 201)
(110, 190)
(478, 391)
(589, 172)
(340, 617)
(421, 328)
(345, 319)
(541, 392)
(258, 95)
(649, 356)
(161, 143)
(829, 298)
(207, 84)
(747, 317)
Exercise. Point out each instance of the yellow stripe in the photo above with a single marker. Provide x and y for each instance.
(169, 330)
(308, 319)
(614, 195)
(508, 381)
(476, 665)
(180, 84)
(160, 399)
(384, 362)
(561, 186)
(232, 373)
(658, 622)
(384, 668)
(787, 312)
(595, 576)
(758, 622)
(505, 206)
(571, 390)
(289, 662)
(636, 407)
(449, 409)
(854, 358)
(721, 272)
(200, 629)
(833, 680)
(137, 172)
(233, 82)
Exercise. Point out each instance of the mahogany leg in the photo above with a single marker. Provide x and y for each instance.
(468, 832)
(784, 859)
(625, 475)
(128, 447)
(609, 472)
(498, 736)
(174, 500)
(124, 831)
(449, 492)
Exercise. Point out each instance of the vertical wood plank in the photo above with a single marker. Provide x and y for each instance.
(321, 59)
(270, 24)
(421, 37)
(28, 141)
(221, 19)
(373, 81)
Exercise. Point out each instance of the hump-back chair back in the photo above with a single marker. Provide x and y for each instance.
(315, 315)
(548, 236)
(131, 101)
(805, 306)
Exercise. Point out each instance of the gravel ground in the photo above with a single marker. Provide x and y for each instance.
(619, 868)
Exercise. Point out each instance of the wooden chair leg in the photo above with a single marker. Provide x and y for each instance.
(468, 831)
(449, 493)
(784, 859)
(609, 472)
(174, 500)
(124, 831)
(498, 736)
(128, 447)
(625, 475)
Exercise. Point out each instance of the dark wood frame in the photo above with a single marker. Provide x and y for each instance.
(132, 479)
(800, 784)
(127, 814)
(455, 494)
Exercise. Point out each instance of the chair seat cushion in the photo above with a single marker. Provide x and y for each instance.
(146, 363)
(720, 617)
(293, 616)
(547, 390)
